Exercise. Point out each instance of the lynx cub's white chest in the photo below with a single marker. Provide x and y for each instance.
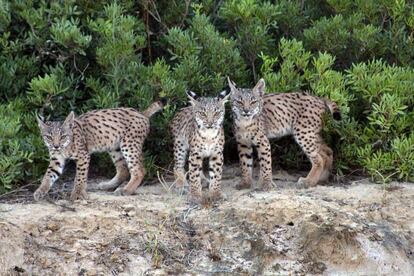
(210, 141)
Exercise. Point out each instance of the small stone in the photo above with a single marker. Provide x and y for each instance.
(114, 258)
(45, 263)
(246, 246)
(128, 208)
(91, 272)
(35, 232)
(47, 233)
(132, 214)
(53, 226)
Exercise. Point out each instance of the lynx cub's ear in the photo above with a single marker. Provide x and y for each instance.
(40, 121)
(192, 97)
(232, 85)
(260, 87)
(223, 96)
(69, 120)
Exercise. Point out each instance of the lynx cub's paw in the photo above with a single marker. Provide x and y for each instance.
(78, 195)
(107, 185)
(217, 197)
(266, 185)
(121, 191)
(39, 194)
(303, 182)
(195, 199)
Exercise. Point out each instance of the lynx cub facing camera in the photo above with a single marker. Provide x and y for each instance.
(259, 117)
(198, 130)
(119, 131)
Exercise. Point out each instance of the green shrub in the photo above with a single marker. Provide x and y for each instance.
(15, 155)
(58, 56)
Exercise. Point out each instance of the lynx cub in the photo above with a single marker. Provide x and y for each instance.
(198, 129)
(259, 117)
(119, 131)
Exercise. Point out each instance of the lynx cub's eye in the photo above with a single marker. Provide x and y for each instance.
(48, 137)
(239, 102)
(64, 137)
(254, 101)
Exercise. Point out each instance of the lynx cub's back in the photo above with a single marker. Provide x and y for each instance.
(119, 131)
(259, 117)
(198, 130)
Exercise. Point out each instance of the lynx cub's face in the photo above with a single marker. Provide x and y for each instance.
(208, 112)
(247, 103)
(57, 135)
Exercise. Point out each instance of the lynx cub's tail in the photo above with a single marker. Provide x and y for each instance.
(155, 107)
(333, 108)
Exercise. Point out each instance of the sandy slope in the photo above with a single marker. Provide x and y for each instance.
(356, 228)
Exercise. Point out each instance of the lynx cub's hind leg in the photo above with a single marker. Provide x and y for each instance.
(311, 145)
(122, 173)
(132, 151)
(327, 154)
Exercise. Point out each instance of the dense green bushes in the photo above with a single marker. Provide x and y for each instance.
(80, 55)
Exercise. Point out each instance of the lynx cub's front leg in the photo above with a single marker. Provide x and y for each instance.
(79, 188)
(195, 168)
(215, 173)
(52, 174)
(246, 164)
(265, 161)
(180, 154)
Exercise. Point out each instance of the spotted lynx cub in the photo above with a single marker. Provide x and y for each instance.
(198, 130)
(119, 131)
(259, 117)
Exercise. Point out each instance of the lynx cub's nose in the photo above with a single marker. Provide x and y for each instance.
(246, 113)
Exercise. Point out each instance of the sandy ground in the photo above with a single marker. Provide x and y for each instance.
(355, 228)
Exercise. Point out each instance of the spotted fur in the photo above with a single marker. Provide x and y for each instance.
(198, 132)
(259, 117)
(119, 131)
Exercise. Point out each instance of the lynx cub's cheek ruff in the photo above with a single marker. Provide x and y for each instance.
(198, 132)
(259, 117)
(119, 131)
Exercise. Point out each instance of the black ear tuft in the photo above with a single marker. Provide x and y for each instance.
(231, 84)
(223, 94)
(163, 101)
(192, 95)
(337, 115)
(40, 121)
(227, 89)
(40, 117)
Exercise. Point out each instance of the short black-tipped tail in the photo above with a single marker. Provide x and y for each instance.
(155, 107)
(333, 109)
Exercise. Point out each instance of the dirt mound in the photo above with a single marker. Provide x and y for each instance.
(358, 228)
